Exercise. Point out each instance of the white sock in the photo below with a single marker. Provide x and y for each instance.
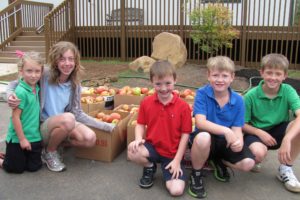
(284, 168)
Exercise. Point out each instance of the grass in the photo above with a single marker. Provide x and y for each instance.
(106, 62)
(294, 74)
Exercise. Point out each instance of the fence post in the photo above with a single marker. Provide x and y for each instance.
(72, 22)
(123, 36)
(244, 36)
(181, 18)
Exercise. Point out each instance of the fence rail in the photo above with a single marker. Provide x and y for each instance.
(21, 16)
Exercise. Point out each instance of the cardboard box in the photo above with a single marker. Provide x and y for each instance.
(131, 129)
(107, 103)
(131, 108)
(108, 145)
(127, 99)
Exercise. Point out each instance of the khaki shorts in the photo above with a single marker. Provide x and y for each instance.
(46, 134)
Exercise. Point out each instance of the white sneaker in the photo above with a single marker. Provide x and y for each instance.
(289, 180)
(53, 161)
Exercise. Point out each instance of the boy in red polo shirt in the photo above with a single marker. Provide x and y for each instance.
(168, 121)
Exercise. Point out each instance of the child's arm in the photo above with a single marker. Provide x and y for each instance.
(203, 124)
(265, 137)
(139, 135)
(16, 115)
(174, 165)
(284, 152)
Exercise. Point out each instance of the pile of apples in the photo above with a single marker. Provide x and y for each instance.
(109, 118)
(187, 94)
(91, 99)
(137, 91)
(101, 90)
(128, 108)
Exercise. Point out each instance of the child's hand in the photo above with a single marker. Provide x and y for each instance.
(13, 101)
(237, 146)
(134, 145)
(25, 145)
(230, 137)
(175, 169)
(267, 139)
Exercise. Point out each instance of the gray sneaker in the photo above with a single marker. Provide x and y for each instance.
(53, 161)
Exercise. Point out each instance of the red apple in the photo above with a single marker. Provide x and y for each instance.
(144, 90)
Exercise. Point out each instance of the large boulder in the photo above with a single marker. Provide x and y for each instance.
(169, 46)
(141, 64)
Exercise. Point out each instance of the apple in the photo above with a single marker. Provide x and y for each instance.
(99, 99)
(125, 107)
(134, 122)
(100, 89)
(115, 116)
(144, 90)
(100, 115)
(134, 110)
(126, 88)
(115, 121)
(122, 92)
(83, 99)
(137, 91)
(104, 93)
(151, 92)
(189, 97)
(112, 91)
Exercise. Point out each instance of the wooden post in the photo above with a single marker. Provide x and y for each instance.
(181, 18)
(244, 36)
(72, 22)
(123, 32)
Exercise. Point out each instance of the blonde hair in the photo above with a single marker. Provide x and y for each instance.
(161, 69)
(55, 53)
(31, 55)
(220, 63)
(275, 61)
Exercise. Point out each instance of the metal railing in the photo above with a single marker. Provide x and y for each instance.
(21, 16)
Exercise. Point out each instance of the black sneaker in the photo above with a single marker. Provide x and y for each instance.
(196, 188)
(148, 174)
(220, 170)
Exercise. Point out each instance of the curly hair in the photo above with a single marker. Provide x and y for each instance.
(55, 54)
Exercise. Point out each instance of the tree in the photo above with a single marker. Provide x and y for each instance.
(212, 27)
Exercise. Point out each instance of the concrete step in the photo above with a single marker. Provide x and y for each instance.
(9, 60)
(25, 48)
(30, 38)
(27, 43)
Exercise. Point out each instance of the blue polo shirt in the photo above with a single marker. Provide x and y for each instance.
(232, 113)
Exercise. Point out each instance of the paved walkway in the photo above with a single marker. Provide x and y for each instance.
(92, 180)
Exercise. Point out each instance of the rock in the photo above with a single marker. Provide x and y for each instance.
(141, 64)
(169, 46)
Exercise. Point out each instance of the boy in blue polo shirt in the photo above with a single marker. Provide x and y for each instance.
(268, 125)
(219, 116)
(23, 140)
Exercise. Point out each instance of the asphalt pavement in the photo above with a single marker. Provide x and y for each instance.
(93, 180)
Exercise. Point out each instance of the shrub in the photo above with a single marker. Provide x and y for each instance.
(212, 27)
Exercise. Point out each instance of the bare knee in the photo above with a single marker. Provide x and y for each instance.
(202, 141)
(175, 187)
(90, 138)
(246, 164)
(67, 122)
(259, 151)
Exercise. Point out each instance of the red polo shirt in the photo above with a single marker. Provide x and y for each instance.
(165, 123)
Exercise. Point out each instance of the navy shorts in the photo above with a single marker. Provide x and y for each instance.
(219, 150)
(17, 160)
(277, 132)
(156, 158)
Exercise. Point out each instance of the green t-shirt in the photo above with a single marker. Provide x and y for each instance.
(30, 116)
(263, 112)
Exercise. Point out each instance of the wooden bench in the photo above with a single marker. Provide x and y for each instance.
(132, 16)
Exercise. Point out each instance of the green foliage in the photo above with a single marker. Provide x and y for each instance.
(212, 27)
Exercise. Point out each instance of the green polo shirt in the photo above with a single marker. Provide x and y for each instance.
(30, 116)
(263, 112)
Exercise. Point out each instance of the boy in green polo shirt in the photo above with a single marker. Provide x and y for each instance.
(23, 140)
(267, 119)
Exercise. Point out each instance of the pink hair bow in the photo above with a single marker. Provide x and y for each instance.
(20, 54)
